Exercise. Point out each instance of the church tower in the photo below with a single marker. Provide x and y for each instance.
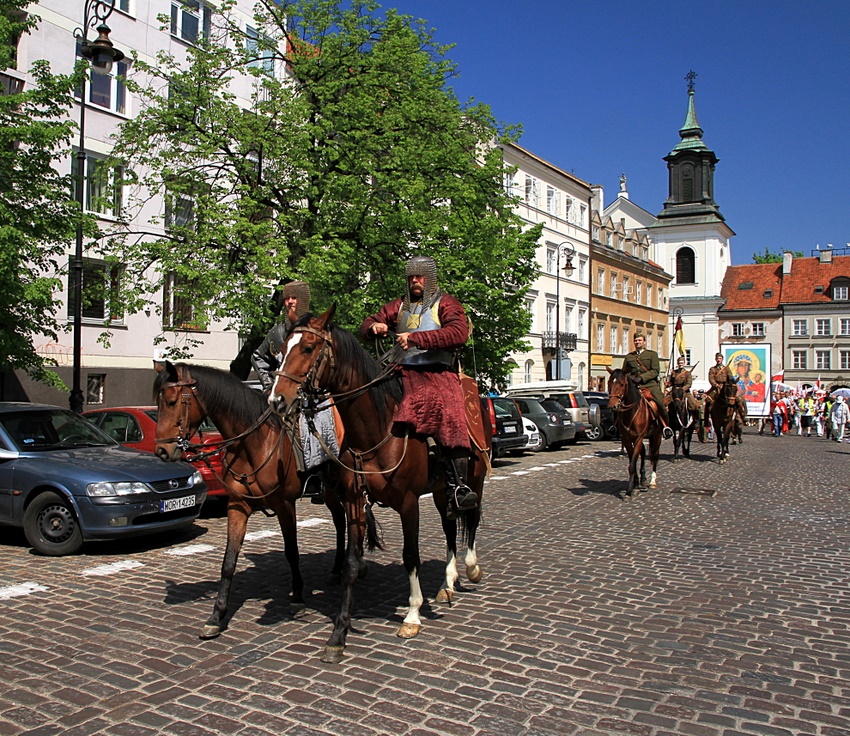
(691, 239)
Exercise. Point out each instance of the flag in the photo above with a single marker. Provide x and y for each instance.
(817, 385)
(777, 378)
(679, 337)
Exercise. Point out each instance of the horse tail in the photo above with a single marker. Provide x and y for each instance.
(467, 522)
(374, 538)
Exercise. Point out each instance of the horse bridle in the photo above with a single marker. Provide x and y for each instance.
(189, 392)
(325, 359)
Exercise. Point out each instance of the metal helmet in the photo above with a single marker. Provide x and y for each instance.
(301, 291)
(422, 266)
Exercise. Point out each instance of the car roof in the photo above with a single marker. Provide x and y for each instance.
(6, 406)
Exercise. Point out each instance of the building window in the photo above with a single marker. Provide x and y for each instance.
(529, 365)
(840, 293)
(649, 295)
(260, 51)
(624, 346)
(551, 201)
(104, 190)
(737, 329)
(511, 185)
(800, 328)
(627, 288)
(758, 329)
(531, 190)
(190, 20)
(568, 319)
(845, 326)
(582, 313)
(823, 327)
(639, 293)
(613, 339)
(100, 293)
(551, 260)
(612, 289)
(551, 311)
(608, 238)
(844, 360)
(179, 211)
(661, 303)
(95, 383)
(108, 91)
(582, 269)
(178, 312)
(600, 337)
(688, 356)
(600, 281)
(800, 359)
(595, 232)
(823, 360)
(685, 266)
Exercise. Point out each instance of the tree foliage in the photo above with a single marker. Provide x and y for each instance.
(339, 170)
(769, 257)
(37, 216)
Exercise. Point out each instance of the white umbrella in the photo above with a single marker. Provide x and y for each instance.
(845, 392)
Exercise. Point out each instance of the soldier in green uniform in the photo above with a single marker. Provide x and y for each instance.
(645, 367)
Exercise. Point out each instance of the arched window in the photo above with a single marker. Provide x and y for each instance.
(685, 266)
(529, 364)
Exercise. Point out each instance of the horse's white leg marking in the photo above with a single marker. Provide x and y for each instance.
(652, 482)
(415, 601)
(451, 571)
(473, 572)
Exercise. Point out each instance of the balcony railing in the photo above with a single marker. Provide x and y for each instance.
(10, 85)
(566, 340)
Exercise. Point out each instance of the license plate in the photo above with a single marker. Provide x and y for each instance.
(175, 504)
(508, 430)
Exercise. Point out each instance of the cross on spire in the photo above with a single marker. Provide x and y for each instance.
(690, 77)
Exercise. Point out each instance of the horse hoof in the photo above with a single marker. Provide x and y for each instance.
(444, 596)
(333, 655)
(474, 574)
(408, 631)
(652, 485)
(210, 631)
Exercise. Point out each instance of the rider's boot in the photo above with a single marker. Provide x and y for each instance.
(315, 484)
(666, 432)
(461, 497)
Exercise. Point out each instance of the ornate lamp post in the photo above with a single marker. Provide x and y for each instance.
(568, 252)
(102, 55)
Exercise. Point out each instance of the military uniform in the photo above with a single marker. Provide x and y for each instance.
(682, 378)
(647, 366)
(718, 376)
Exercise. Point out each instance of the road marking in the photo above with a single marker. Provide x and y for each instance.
(498, 477)
(315, 521)
(520, 472)
(111, 568)
(261, 534)
(536, 468)
(13, 591)
(190, 549)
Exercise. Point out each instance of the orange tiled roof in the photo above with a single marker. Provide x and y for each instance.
(757, 279)
(798, 287)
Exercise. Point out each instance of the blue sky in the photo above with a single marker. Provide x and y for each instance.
(599, 89)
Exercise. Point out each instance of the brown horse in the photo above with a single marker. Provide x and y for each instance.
(724, 415)
(260, 472)
(683, 422)
(381, 462)
(636, 422)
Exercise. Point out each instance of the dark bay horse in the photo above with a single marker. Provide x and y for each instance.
(260, 471)
(683, 422)
(636, 422)
(724, 414)
(380, 462)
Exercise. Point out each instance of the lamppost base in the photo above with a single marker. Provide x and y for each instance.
(76, 401)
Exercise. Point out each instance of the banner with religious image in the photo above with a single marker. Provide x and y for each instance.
(750, 364)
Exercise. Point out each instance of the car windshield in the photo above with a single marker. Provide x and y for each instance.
(580, 400)
(553, 406)
(51, 429)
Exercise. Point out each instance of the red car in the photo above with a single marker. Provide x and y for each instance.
(135, 426)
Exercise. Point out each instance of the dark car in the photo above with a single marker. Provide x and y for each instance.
(66, 482)
(135, 426)
(553, 421)
(506, 421)
(606, 428)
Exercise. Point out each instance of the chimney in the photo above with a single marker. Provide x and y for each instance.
(825, 256)
(597, 197)
(787, 259)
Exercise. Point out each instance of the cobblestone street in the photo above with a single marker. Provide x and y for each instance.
(716, 604)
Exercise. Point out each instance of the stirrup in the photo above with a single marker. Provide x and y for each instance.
(667, 433)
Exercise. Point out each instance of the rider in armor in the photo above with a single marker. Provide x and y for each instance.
(430, 326)
(266, 358)
(643, 367)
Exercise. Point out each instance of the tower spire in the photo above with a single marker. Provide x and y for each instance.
(690, 132)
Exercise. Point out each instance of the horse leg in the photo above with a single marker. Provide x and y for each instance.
(355, 517)
(446, 592)
(642, 465)
(237, 523)
(654, 452)
(289, 530)
(412, 624)
(472, 519)
(338, 516)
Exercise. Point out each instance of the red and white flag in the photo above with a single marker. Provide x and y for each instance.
(777, 377)
(817, 385)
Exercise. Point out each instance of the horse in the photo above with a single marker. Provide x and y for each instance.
(636, 422)
(259, 466)
(380, 461)
(724, 414)
(683, 422)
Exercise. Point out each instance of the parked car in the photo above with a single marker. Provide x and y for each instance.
(565, 394)
(606, 429)
(533, 438)
(555, 424)
(66, 482)
(506, 421)
(135, 426)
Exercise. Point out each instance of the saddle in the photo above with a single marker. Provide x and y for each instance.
(650, 399)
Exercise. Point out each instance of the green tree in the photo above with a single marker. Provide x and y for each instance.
(356, 158)
(37, 215)
(769, 257)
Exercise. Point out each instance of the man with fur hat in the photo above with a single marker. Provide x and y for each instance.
(266, 358)
(430, 326)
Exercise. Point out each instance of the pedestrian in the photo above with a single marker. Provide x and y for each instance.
(838, 418)
(430, 326)
(776, 412)
(807, 414)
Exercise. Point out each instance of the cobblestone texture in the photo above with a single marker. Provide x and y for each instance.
(674, 613)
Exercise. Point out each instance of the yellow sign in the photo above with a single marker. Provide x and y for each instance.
(602, 360)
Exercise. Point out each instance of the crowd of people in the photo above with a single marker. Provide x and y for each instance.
(790, 414)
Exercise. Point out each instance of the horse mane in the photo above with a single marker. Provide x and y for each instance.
(221, 391)
(632, 391)
(355, 365)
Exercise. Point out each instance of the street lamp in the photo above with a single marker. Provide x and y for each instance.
(102, 55)
(568, 252)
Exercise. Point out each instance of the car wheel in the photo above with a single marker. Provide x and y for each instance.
(537, 446)
(51, 527)
(544, 443)
(593, 433)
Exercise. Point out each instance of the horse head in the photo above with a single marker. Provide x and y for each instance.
(307, 361)
(618, 388)
(179, 412)
(730, 392)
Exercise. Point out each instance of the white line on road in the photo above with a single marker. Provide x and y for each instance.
(13, 591)
(111, 568)
(190, 549)
(315, 521)
(520, 472)
(261, 534)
